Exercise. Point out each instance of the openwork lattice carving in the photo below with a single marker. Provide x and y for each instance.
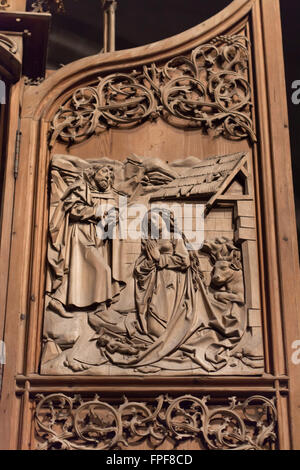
(208, 90)
(69, 423)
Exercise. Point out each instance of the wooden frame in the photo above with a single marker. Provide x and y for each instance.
(24, 240)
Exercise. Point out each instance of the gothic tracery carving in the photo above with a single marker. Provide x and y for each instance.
(210, 89)
(73, 423)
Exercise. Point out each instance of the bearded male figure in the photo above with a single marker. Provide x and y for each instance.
(82, 274)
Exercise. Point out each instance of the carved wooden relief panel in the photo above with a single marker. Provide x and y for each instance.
(128, 292)
(154, 280)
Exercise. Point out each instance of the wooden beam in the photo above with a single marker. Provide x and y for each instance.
(109, 25)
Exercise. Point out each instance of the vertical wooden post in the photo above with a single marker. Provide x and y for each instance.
(285, 221)
(109, 25)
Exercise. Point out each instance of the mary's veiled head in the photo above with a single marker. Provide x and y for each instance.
(159, 223)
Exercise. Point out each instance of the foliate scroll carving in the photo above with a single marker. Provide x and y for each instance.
(209, 89)
(9, 43)
(67, 423)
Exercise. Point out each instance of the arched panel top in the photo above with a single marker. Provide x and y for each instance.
(38, 103)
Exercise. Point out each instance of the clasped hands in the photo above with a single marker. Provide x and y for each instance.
(152, 250)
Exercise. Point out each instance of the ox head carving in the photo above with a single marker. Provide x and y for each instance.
(226, 258)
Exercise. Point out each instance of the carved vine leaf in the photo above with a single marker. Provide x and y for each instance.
(208, 90)
(69, 423)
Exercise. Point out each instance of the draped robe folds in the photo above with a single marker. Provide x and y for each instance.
(185, 328)
(84, 271)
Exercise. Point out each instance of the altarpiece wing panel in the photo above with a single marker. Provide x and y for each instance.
(149, 254)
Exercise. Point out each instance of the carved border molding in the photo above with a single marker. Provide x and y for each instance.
(73, 423)
(209, 89)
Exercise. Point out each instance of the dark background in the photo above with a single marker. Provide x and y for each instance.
(77, 33)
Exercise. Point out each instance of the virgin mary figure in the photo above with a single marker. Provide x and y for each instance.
(182, 326)
(161, 274)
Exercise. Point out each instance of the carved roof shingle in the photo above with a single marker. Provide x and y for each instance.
(205, 178)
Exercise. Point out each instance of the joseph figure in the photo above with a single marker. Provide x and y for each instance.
(84, 270)
(83, 274)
